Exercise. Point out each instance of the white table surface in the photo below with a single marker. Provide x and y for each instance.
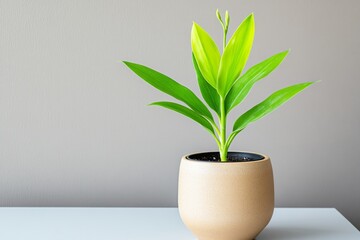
(159, 224)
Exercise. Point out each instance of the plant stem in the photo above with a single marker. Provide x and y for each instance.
(223, 148)
(230, 139)
(224, 39)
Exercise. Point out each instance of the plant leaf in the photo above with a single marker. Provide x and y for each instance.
(171, 87)
(209, 94)
(187, 112)
(243, 85)
(235, 55)
(268, 105)
(206, 53)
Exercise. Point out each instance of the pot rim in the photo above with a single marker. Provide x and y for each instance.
(265, 158)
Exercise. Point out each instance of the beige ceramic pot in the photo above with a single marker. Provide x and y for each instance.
(226, 200)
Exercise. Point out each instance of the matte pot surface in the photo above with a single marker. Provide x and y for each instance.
(226, 200)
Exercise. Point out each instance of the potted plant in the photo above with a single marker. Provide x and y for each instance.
(223, 195)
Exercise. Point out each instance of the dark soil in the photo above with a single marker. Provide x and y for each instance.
(232, 157)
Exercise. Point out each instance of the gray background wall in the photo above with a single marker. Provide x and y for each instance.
(75, 129)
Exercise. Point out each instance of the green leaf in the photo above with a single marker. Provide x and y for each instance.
(243, 85)
(268, 105)
(187, 112)
(209, 94)
(235, 55)
(206, 53)
(171, 87)
(219, 16)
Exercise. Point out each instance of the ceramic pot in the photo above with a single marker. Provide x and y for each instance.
(226, 200)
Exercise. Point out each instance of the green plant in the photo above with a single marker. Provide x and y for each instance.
(221, 83)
